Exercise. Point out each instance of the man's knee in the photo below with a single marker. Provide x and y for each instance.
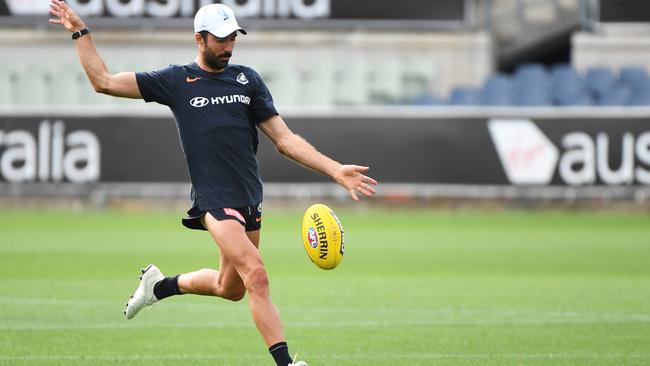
(234, 294)
(257, 281)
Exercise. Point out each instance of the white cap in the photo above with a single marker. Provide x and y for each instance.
(217, 19)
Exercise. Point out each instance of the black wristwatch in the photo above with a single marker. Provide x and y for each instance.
(82, 32)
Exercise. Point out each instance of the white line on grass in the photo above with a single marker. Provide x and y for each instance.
(356, 355)
(543, 314)
(306, 325)
(407, 317)
(38, 301)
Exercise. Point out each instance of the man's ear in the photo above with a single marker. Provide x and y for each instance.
(198, 38)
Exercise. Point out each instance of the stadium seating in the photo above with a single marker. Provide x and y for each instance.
(319, 80)
(640, 99)
(531, 85)
(427, 99)
(616, 95)
(464, 96)
(535, 85)
(634, 76)
(498, 91)
(567, 87)
(599, 80)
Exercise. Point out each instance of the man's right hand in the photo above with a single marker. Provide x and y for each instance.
(123, 84)
(65, 16)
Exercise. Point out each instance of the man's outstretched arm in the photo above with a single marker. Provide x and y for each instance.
(120, 85)
(296, 148)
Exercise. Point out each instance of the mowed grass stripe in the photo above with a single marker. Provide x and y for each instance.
(426, 316)
(416, 287)
(372, 355)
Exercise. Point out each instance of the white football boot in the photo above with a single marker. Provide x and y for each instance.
(144, 295)
(297, 363)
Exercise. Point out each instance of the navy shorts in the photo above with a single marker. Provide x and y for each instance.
(250, 217)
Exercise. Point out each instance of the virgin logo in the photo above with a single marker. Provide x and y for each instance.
(527, 155)
(199, 102)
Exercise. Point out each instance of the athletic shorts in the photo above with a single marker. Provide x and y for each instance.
(250, 217)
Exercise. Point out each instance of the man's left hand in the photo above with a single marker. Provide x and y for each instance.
(351, 177)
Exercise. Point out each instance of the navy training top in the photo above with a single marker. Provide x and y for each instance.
(217, 116)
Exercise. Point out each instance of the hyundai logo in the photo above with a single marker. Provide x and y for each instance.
(199, 102)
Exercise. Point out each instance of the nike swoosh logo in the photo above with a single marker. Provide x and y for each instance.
(191, 80)
(258, 219)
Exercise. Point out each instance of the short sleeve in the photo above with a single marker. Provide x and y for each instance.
(261, 105)
(157, 86)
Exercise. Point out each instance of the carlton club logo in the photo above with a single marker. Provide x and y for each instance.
(241, 78)
(529, 157)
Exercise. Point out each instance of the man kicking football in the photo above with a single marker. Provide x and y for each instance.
(218, 108)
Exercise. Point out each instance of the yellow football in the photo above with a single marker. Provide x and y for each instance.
(322, 236)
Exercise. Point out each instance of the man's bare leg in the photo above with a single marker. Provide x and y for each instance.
(225, 282)
(241, 270)
(238, 251)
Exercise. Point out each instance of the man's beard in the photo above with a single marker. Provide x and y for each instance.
(212, 60)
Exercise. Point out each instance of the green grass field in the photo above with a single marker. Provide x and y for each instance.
(416, 287)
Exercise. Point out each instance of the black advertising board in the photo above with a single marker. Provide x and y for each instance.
(434, 10)
(398, 10)
(480, 151)
(571, 151)
(622, 11)
(110, 149)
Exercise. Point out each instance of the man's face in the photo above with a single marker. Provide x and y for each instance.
(216, 52)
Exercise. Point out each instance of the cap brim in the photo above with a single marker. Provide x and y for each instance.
(223, 32)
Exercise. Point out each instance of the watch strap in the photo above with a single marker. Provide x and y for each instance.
(80, 33)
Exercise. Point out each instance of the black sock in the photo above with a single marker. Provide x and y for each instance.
(166, 287)
(280, 353)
